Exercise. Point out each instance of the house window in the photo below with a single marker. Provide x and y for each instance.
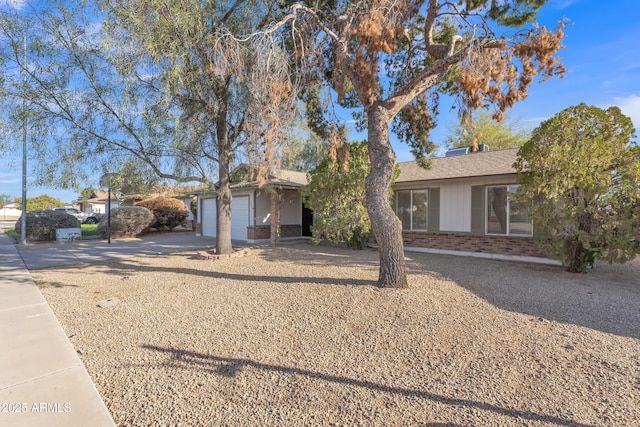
(412, 209)
(504, 215)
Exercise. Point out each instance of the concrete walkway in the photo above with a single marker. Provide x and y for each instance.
(42, 380)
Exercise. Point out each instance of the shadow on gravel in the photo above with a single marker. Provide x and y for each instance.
(122, 268)
(229, 367)
(606, 298)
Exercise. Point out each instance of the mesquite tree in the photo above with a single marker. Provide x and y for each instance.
(392, 57)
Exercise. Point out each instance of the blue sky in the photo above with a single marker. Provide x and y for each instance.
(602, 56)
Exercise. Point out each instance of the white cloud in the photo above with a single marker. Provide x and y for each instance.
(630, 107)
(563, 4)
(16, 4)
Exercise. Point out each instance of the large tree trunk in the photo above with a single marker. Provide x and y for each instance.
(386, 225)
(223, 201)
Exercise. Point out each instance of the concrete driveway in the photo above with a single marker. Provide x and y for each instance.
(46, 255)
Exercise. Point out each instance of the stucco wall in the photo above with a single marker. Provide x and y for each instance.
(291, 208)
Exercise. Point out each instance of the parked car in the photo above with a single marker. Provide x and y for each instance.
(93, 218)
(81, 216)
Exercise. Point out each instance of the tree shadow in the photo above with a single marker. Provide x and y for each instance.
(121, 268)
(606, 299)
(58, 285)
(229, 367)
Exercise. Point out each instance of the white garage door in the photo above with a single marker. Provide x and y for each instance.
(239, 217)
(209, 217)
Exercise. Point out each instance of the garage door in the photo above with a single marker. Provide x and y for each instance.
(209, 217)
(239, 217)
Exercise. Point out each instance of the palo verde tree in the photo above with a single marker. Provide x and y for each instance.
(486, 130)
(391, 59)
(581, 173)
(169, 84)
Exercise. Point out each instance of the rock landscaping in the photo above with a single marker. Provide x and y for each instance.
(300, 336)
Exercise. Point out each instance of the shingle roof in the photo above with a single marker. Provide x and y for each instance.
(275, 178)
(463, 166)
(282, 176)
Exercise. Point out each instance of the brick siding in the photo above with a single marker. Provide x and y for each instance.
(501, 245)
(263, 232)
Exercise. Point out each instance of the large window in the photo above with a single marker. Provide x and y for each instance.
(412, 209)
(504, 215)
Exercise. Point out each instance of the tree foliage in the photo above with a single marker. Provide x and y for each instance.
(392, 60)
(581, 171)
(39, 203)
(166, 84)
(86, 193)
(335, 193)
(169, 213)
(485, 130)
(305, 149)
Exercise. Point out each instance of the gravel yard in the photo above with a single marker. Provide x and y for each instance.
(298, 336)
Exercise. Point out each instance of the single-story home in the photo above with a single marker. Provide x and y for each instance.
(463, 205)
(97, 202)
(251, 207)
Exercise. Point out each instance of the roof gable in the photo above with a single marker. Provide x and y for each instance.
(245, 176)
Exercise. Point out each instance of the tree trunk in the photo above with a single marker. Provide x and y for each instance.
(387, 228)
(223, 200)
(276, 215)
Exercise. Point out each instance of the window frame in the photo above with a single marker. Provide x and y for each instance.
(509, 189)
(424, 191)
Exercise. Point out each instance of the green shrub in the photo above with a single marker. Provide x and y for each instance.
(42, 225)
(126, 221)
(169, 212)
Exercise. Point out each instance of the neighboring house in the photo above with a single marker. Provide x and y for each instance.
(462, 205)
(97, 203)
(11, 211)
(251, 207)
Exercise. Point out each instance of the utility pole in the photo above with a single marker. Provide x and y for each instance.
(23, 223)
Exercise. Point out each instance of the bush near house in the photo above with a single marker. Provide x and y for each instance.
(42, 225)
(127, 221)
(169, 212)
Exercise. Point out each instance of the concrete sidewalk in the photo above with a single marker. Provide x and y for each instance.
(42, 380)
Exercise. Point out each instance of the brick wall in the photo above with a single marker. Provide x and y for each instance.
(261, 232)
(502, 245)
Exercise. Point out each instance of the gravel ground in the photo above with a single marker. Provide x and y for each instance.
(298, 335)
